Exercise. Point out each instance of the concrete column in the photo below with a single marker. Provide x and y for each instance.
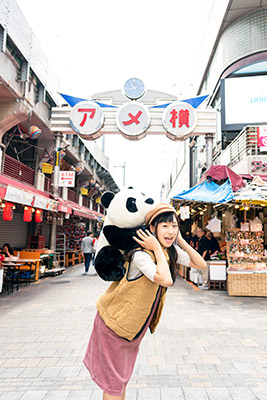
(55, 187)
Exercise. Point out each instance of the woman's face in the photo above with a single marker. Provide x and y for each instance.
(166, 232)
(5, 248)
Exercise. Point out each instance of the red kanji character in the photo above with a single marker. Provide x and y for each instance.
(173, 118)
(184, 118)
(85, 111)
(134, 119)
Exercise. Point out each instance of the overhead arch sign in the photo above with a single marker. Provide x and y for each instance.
(133, 120)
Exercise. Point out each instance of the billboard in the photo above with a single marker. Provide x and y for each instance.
(244, 102)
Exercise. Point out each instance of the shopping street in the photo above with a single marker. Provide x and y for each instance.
(208, 345)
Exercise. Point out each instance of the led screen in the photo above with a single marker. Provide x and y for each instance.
(244, 101)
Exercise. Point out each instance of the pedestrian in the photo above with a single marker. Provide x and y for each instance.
(130, 306)
(204, 251)
(188, 237)
(213, 244)
(194, 242)
(87, 250)
(7, 250)
(95, 240)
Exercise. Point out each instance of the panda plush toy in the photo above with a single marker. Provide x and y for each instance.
(126, 211)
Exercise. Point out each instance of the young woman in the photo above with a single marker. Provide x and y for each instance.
(129, 307)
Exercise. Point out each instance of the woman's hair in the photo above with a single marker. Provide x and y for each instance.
(8, 247)
(168, 217)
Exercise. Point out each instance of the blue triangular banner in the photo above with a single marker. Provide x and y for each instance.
(194, 102)
(72, 101)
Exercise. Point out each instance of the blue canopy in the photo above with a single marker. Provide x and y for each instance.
(208, 192)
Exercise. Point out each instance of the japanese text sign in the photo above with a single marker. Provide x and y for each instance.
(86, 118)
(262, 137)
(67, 178)
(133, 120)
(179, 120)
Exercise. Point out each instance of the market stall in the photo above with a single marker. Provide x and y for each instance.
(236, 212)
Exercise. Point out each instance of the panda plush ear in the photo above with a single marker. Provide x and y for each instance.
(106, 199)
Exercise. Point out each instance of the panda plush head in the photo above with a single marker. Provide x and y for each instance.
(127, 208)
(126, 212)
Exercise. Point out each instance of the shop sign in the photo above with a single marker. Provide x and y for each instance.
(66, 178)
(184, 213)
(98, 200)
(256, 165)
(45, 203)
(47, 168)
(262, 137)
(133, 120)
(19, 196)
(84, 191)
(179, 120)
(86, 118)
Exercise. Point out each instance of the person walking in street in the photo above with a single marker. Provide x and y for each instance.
(204, 251)
(87, 250)
(130, 306)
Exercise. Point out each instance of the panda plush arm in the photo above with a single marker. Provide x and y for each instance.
(122, 238)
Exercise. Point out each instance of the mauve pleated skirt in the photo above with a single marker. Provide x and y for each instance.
(109, 358)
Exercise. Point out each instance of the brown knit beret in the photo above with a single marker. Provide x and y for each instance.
(160, 208)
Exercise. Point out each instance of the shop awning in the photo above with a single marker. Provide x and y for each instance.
(63, 206)
(20, 193)
(85, 212)
(219, 172)
(208, 192)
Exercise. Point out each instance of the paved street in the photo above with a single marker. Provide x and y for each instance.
(208, 345)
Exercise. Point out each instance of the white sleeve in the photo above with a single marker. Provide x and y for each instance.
(183, 257)
(142, 262)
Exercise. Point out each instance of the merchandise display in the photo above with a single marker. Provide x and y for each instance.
(73, 231)
(245, 251)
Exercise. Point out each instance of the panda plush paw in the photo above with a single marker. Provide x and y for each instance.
(109, 264)
(122, 238)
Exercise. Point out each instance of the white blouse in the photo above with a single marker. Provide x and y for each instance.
(142, 264)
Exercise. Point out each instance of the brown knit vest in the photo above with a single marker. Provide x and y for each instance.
(126, 305)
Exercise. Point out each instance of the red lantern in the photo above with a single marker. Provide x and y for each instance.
(27, 216)
(8, 212)
(38, 215)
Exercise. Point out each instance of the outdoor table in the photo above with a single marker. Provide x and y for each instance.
(31, 263)
(14, 268)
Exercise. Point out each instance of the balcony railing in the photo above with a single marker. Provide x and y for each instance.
(245, 144)
(16, 169)
(72, 196)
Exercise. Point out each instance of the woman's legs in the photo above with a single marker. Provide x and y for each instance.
(109, 397)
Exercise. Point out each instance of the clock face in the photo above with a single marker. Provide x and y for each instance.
(134, 88)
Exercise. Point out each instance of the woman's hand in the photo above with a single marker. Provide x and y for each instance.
(147, 240)
(180, 239)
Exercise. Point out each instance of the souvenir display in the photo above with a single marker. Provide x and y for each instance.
(245, 251)
(74, 232)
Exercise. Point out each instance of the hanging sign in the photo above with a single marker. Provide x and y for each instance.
(133, 120)
(184, 213)
(45, 203)
(19, 196)
(67, 178)
(84, 191)
(179, 119)
(262, 137)
(86, 118)
(47, 168)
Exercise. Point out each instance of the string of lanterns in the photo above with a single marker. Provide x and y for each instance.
(8, 213)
